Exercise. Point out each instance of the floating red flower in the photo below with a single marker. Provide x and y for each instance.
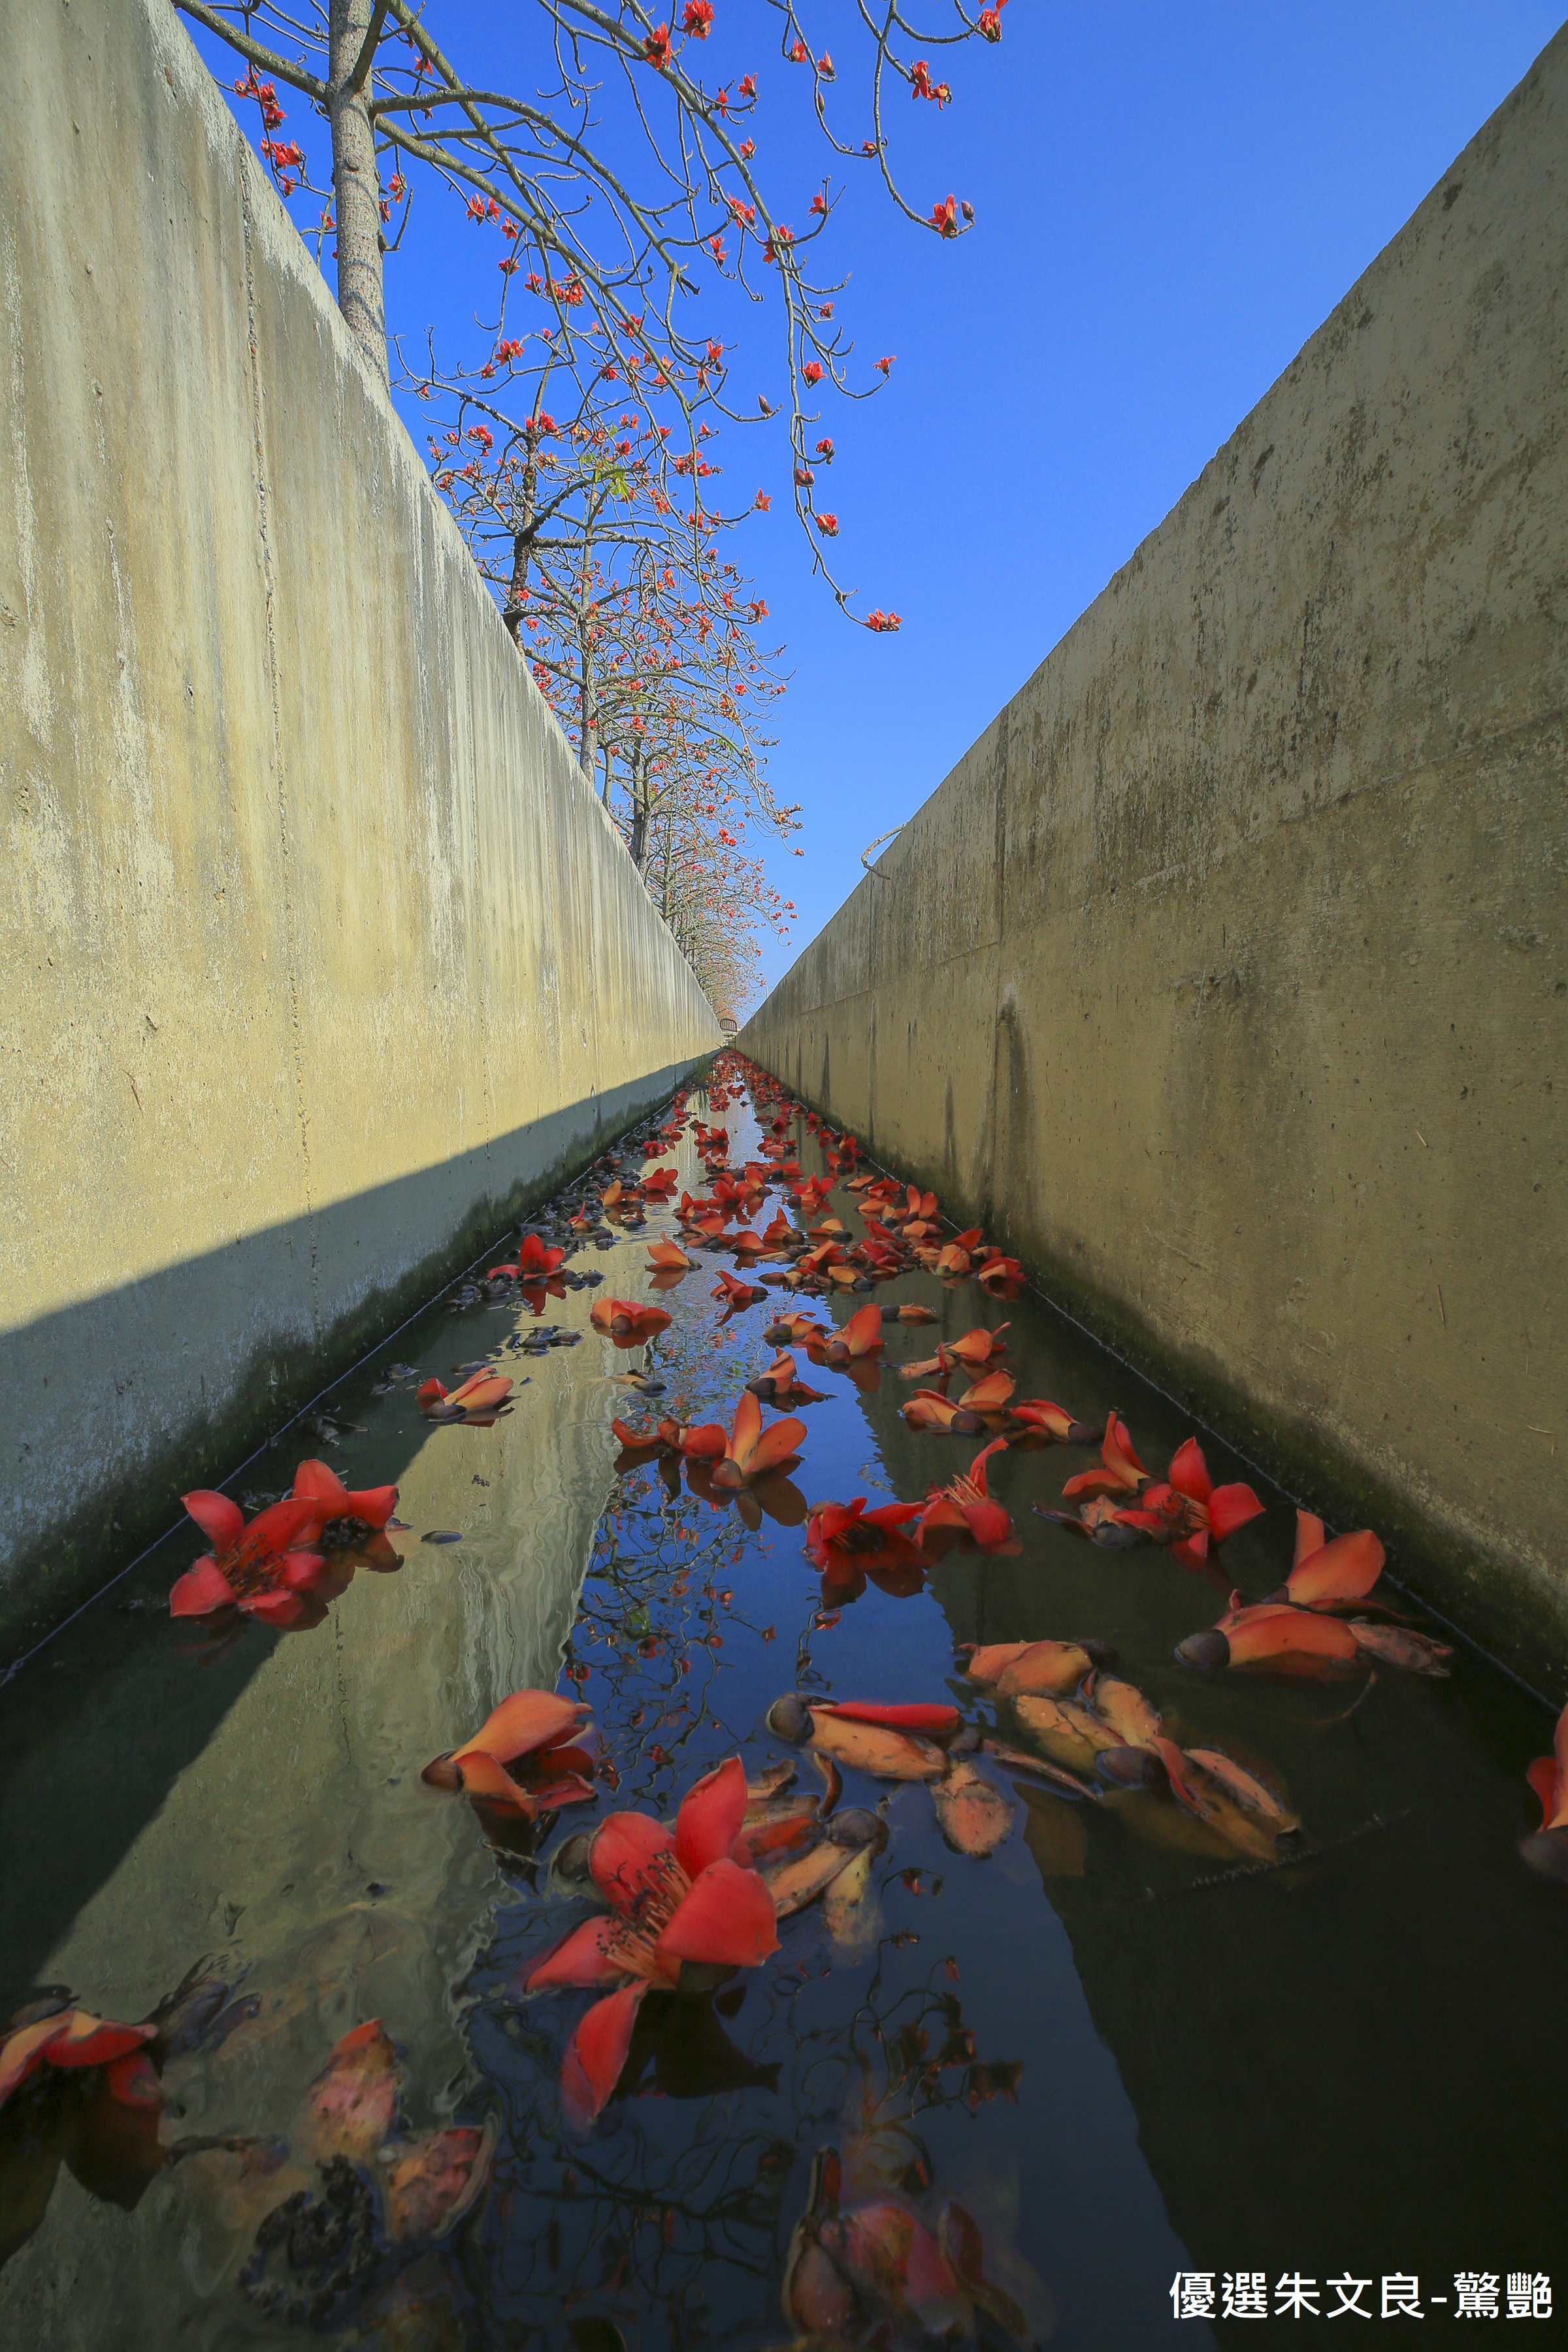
(627, 1321)
(850, 1529)
(678, 1903)
(261, 1568)
(534, 1731)
(966, 1504)
(1123, 1475)
(751, 1450)
(1189, 1512)
(477, 1403)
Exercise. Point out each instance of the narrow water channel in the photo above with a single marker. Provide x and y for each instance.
(1009, 2094)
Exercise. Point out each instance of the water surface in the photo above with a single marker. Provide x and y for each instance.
(1125, 2057)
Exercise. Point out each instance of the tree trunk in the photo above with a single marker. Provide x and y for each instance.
(522, 547)
(639, 841)
(588, 734)
(357, 198)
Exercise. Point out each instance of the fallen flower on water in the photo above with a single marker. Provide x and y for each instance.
(627, 1321)
(703, 1441)
(680, 1906)
(952, 1259)
(262, 1568)
(1189, 1512)
(887, 1751)
(1271, 1633)
(536, 1260)
(1122, 1474)
(972, 1814)
(929, 1409)
(1055, 1668)
(798, 1330)
(1041, 1418)
(477, 1403)
(356, 1520)
(534, 1730)
(1326, 1573)
(1546, 1850)
(669, 1257)
(752, 1451)
(854, 2275)
(782, 1385)
(975, 1352)
(991, 1394)
(999, 1273)
(72, 2037)
(966, 1505)
(861, 1337)
(850, 1528)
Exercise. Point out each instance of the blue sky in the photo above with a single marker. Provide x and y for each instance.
(1169, 199)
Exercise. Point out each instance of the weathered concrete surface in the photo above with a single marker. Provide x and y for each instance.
(1227, 976)
(320, 955)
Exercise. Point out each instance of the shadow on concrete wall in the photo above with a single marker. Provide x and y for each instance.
(98, 1727)
(365, 1263)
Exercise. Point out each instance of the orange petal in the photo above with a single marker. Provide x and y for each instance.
(932, 1718)
(746, 1431)
(1341, 1571)
(489, 1781)
(778, 1444)
(990, 1394)
(991, 1660)
(1310, 1537)
(862, 1334)
(80, 2038)
(584, 1958)
(23, 2050)
(200, 1591)
(1231, 1508)
(988, 1523)
(1190, 1473)
(709, 1818)
(596, 2053)
(527, 1720)
(1257, 1634)
(630, 1854)
(705, 1443)
(320, 1483)
(728, 1919)
(219, 1519)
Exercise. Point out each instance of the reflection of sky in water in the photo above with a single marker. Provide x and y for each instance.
(1121, 2058)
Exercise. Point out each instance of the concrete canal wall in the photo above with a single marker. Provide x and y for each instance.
(1226, 978)
(321, 958)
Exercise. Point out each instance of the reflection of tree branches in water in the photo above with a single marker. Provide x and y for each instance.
(675, 2223)
(654, 1637)
(907, 2052)
(683, 2213)
(630, 2226)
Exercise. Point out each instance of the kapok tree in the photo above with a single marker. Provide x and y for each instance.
(626, 184)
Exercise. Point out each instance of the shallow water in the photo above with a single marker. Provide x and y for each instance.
(1124, 2055)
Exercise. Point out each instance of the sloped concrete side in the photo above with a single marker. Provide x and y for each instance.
(1227, 976)
(321, 957)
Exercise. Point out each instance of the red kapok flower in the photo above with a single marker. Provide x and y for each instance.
(676, 1898)
(1189, 1511)
(966, 1504)
(262, 1568)
(850, 1528)
(534, 1730)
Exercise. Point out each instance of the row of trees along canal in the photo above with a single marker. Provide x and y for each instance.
(616, 217)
